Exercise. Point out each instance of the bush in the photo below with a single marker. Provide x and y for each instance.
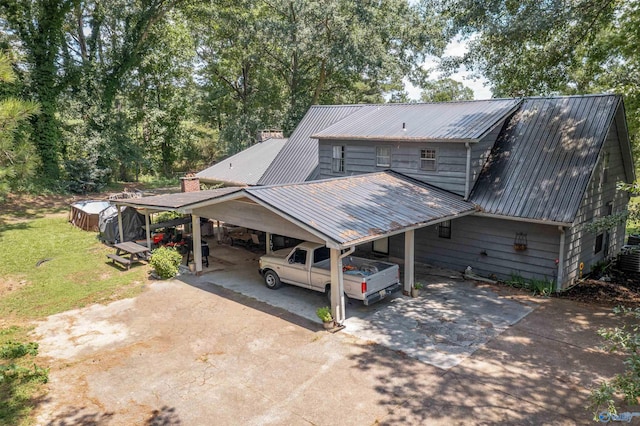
(324, 314)
(165, 261)
(624, 340)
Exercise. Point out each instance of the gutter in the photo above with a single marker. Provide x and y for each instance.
(468, 177)
(560, 278)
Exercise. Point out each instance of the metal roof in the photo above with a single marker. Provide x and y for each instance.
(443, 121)
(177, 201)
(298, 160)
(246, 167)
(355, 209)
(542, 162)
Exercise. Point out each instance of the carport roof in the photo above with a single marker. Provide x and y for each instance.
(352, 210)
(177, 201)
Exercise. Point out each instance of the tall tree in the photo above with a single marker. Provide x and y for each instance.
(445, 90)
(39, 25)
(16, 157)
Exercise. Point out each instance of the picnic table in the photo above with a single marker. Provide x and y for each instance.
(135, 251)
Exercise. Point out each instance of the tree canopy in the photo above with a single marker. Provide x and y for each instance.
(162, 86)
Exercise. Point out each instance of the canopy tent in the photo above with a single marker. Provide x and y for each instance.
(85, 214)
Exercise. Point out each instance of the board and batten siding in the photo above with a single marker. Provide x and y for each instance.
(580, 243)
(487, 245)
(480, 152)
(360, 157)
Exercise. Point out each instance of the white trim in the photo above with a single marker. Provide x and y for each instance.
(467, 181)
(560, 278)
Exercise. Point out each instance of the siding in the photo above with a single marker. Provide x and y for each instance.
(580, 243)
(480, 152)
(473, 235)
(360, 157)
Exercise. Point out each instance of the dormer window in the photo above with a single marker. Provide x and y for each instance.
(428, 159)
(383, 156)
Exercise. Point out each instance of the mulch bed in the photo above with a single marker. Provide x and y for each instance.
(622, 289)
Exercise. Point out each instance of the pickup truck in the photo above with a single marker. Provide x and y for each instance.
(308, 265)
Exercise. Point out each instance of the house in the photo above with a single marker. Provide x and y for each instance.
(537, 169)
(504, 186)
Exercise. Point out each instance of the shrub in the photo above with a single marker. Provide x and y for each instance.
(324, 313)
(165, 261)
(624, 340)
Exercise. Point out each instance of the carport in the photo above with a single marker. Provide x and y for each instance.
(341, 213)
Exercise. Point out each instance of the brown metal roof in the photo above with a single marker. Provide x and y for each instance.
(177, 201)
(542, 162)
(355, 209)
(443, 121)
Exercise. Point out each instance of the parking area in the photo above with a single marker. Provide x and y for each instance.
(192, 352)
(448, 321)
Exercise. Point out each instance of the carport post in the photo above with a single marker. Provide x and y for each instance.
(147, 227)
(267, 242)
(197, 243)
(337, 287)
(218, 231)
(409, 260)
(118, 207)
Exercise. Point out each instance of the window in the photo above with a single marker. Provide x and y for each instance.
(337, 163)
(299, 256)
(383, 156)
(381, 246)
(444, 229)
(598, 247)
(428, 159)
(321, 253)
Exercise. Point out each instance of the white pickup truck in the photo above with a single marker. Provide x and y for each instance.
(308, 265)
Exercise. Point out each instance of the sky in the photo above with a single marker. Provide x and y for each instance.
(455, 48)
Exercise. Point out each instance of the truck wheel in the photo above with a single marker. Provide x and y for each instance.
(327, 294)
(272, 280)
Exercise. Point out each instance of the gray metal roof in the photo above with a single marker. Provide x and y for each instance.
(355, 209)
(444, 121)
(177, 201)
(542, 162)
(298, 160)
(246, 167)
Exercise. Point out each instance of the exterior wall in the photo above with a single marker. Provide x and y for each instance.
(486, 244)
(480, 152)
(450, 173)
(580, 243)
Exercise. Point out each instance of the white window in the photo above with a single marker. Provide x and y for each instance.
(383, 156)
(428, 159)
(337, 163)
(381, 246)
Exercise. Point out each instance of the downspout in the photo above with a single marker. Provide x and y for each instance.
(467, 181)
(337, 292)
(561, 259)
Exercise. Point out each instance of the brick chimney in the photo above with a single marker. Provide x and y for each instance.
(190, 183)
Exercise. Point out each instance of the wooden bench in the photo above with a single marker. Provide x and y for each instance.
(124, 261)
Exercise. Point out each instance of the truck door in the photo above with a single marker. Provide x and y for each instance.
(296, 272)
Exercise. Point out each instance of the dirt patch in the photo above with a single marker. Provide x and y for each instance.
(614, 288)
(11, 284)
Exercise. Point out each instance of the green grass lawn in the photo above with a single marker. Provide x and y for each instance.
(48, 266)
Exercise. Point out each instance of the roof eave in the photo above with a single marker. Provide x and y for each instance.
(524, 219)
(396, 139)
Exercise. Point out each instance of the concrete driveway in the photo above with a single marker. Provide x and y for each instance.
(195, 353)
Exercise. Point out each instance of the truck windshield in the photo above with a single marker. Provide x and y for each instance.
(321, 253)
(299, 256)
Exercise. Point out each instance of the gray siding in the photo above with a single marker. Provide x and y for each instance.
(480, 153)
(360, 157)
(486, 244)
(580, 243)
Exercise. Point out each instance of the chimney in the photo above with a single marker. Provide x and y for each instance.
(190, 183)
(263, 135)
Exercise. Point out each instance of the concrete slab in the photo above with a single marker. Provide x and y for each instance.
(202, 354)
(449, 321)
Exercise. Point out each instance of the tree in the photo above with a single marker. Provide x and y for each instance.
(445, 90)
(17, 159)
